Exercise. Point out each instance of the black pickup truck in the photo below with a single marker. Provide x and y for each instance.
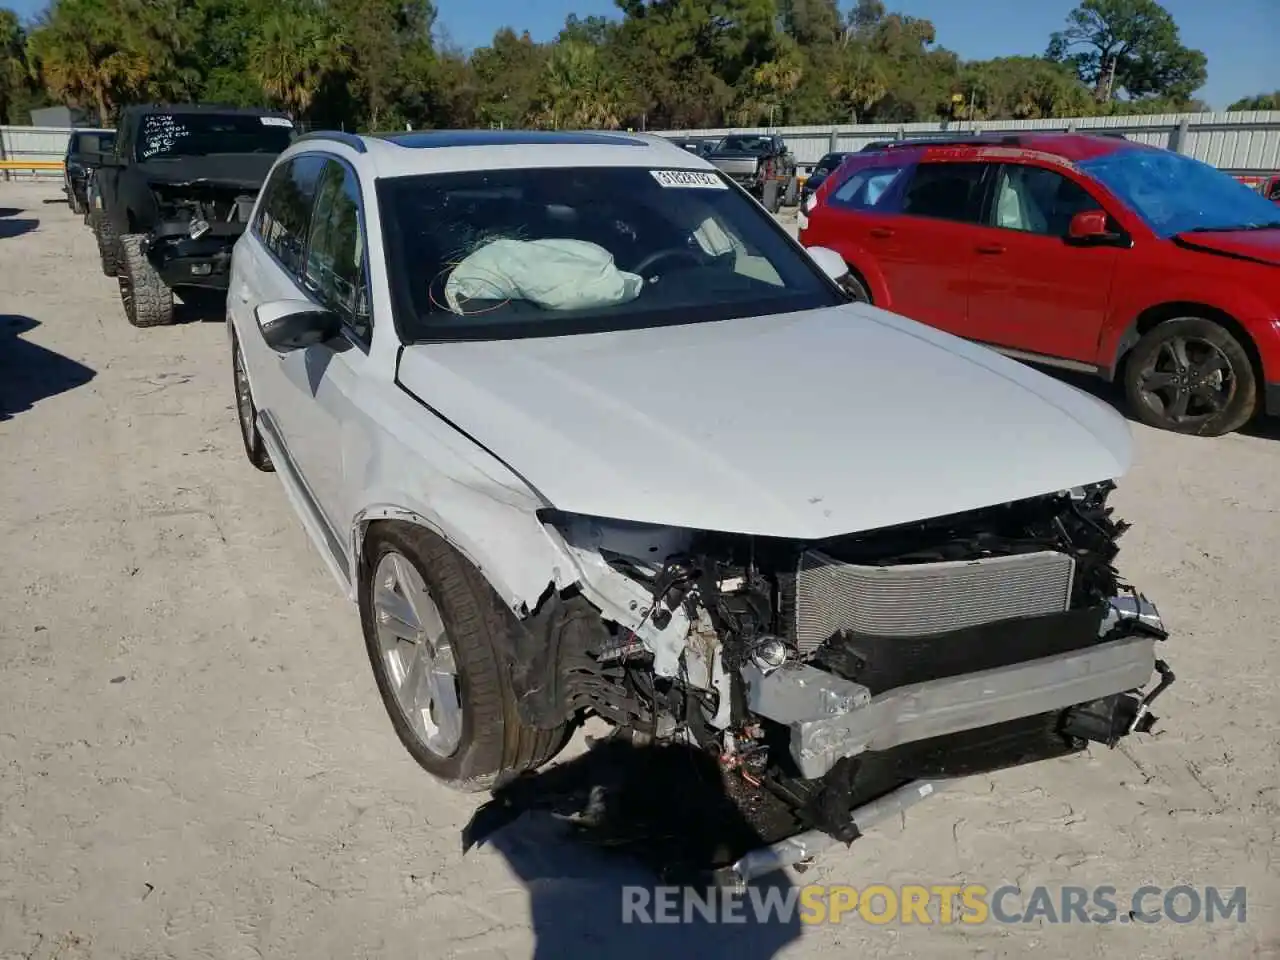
(176, 195)
(85, 149)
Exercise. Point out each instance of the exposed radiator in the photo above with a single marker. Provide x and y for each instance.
(923, 598)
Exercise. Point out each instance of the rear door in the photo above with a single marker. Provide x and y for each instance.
(923, 243)
(1032, 289)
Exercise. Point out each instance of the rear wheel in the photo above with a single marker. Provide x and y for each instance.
(147, 301)
(108, 245)
(1191, 375)
(771, 195)
(430, 625)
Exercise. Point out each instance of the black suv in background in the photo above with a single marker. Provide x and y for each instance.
(84, 154)
(176, 195)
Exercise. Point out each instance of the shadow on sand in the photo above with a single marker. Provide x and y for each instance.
(29, 372)
(592, 838)
(11, 225)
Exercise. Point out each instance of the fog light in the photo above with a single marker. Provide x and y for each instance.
(198, 229)
(769, 654)
(201, 269)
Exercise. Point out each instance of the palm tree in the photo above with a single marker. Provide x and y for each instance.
(291, 54)
(578, 91)
(82, 51)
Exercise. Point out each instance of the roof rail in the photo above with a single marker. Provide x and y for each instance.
(347, 139)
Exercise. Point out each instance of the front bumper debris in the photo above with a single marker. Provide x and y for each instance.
(805, 846)
(831, 718)
(186, 261)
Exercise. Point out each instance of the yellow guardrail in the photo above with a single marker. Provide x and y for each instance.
(30, 164)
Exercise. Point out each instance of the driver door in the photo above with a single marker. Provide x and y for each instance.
(325, 379)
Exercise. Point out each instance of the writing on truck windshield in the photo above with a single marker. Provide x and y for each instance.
(165, 135)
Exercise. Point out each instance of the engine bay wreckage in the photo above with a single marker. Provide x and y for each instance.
(829, 684)
(196, 222)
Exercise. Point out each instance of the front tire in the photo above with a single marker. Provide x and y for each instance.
(431, 625)
(1191, 376)
(247, 413)
(147, 301)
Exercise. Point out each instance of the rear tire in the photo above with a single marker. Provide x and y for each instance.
(492, 741)
(790, 199)
(147, 301)
(77, 207)
(771, 195)
(1190, 375)
(108, 245)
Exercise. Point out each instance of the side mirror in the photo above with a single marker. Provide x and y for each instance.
(828, 261)
(1088, 225)
(294, 324)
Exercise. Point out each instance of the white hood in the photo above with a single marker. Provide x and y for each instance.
(805, 425)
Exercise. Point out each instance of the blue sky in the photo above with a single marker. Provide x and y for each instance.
(1240, 37)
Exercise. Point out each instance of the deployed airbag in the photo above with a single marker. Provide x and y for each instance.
(556, 274)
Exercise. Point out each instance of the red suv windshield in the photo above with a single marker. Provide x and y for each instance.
(1175, 194)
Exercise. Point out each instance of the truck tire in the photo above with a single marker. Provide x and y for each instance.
(108, 245)
(77, 207)
(771, 195)
(790, 199)
(147, 301)
(423, 577)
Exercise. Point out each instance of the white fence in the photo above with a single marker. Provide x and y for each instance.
(1244, 142)
(34, 144)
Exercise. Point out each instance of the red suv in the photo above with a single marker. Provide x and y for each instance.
(1089, 253)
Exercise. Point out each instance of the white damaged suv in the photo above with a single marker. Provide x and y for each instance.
(583, 431)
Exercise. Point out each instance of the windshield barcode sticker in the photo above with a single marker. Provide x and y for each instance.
(697, 179)
(276, 121)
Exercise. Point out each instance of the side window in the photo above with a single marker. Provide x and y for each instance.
(865, 188)
(1275, 191)
(335, 253)
(1036, 200)
(946, 191)
(284, 216)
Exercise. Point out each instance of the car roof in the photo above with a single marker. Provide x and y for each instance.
(181, 108)
(1069, 147)
(442, 151)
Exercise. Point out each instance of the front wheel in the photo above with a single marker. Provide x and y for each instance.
(1192, 376)
(247, 413)
(147, 301)
(432, 625)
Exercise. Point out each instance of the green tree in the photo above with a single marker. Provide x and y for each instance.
(1260, 101)
(508, 74)
(16, 92)
(296, 45)
(86, 54)
(1023, 88)
(1129, 45)
(577, 91)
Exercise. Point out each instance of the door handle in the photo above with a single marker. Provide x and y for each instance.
(990, 248)
(881, 232)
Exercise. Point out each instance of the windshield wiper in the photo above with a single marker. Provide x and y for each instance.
(1268, 225)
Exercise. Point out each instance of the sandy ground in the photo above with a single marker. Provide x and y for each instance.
(194, 761)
